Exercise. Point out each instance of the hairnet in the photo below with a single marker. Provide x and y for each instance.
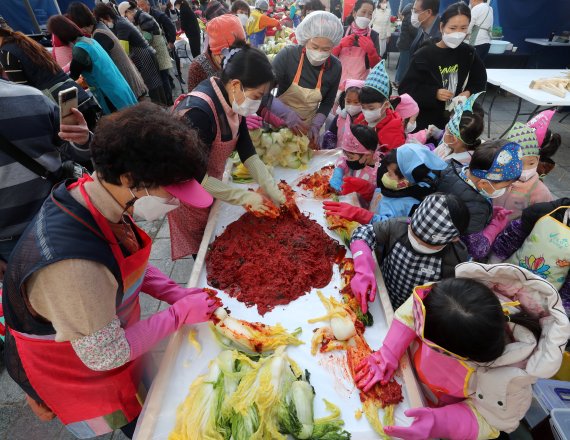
(319, 24)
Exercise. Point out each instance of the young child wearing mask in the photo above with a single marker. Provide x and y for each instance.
(461, 136)
(359, 163)
(348, 109)
(377, 111)
(529, 189)
(405, 177)
(410, 252)
(476, 365)
(358, 50)
(408, 110)
(495, 165)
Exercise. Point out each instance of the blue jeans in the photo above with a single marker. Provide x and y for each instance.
(403, 63)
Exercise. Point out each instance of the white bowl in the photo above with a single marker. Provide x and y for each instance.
(499, 46)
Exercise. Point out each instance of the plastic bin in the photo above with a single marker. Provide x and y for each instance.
(560, 423)
(498, 46)
(552, 394)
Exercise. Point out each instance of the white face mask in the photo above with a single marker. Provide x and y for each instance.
(316, 57)
(415, 20)
(362, 22)
(528, 174)
(110, 24)
(454, 39)
(495, 194)
(248, 107)
(243, 19)
(151, 207)
(353, 109)
(373, 116)
(419, 247)
(411, 126)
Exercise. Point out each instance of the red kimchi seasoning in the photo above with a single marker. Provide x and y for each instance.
(272, 261)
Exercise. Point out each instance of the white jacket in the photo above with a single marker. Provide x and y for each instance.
(481, 15)
(381, 22)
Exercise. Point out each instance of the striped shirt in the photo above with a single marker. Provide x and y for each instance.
(31, 122)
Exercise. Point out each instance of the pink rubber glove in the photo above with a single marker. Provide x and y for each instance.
(454, 422)
(254, 122)
(159, 286)
(363, 187)
(191, 309)
(348, 211)
(381, 365)
(498, 223)
(272, 119)
(363, 284)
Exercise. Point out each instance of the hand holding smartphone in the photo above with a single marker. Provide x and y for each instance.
(67, 100)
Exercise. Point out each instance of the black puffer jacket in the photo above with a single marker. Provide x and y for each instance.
(481, 211)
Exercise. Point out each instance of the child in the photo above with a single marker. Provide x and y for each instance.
(462, 132)
(476, 364)
(408, 110)
(377, 111)
(406, 176)
(529, 189)
(359, 162)
(495, 165)
(527, 242)
(348, 109)
(359, 48)
(424, 249)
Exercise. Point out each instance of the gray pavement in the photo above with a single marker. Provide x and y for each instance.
(17, 422)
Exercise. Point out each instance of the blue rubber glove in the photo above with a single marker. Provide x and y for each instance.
(337, 179)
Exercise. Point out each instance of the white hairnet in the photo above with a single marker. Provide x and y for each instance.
(319, 24)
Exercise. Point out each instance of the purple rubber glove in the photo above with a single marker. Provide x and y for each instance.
(329, 140)
(192, 309)
(363, 284)
(291, 119)
(315, 128)
(159, 286)
(381, 365)
(454, 422)
(499, 221)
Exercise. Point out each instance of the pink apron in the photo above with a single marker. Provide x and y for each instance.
(187, 223)
(444, 376)
(353, 62)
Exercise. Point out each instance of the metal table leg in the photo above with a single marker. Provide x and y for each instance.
(489, 112)
(515, 119)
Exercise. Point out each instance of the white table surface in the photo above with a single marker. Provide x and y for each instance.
(517, 82)
(545, 42)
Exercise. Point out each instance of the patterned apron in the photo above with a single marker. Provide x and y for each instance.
(546, 251)
(302, 100)
(91, 402)
(403, 269)
(187, 223)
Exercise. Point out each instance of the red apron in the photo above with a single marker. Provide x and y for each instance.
(187, 223)
(96, 401)
(353, 60)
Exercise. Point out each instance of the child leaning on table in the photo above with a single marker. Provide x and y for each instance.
(538, 144)
(410, 252)
(476, 365)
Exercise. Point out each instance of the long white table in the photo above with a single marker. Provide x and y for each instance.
(546, 42)
(181, 364)
(517, 82)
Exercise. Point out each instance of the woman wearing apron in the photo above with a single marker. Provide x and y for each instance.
(217, 108)
(358, 50)
(75, 342)
(308, 76)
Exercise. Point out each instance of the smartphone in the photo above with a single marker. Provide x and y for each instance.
(67, 100)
